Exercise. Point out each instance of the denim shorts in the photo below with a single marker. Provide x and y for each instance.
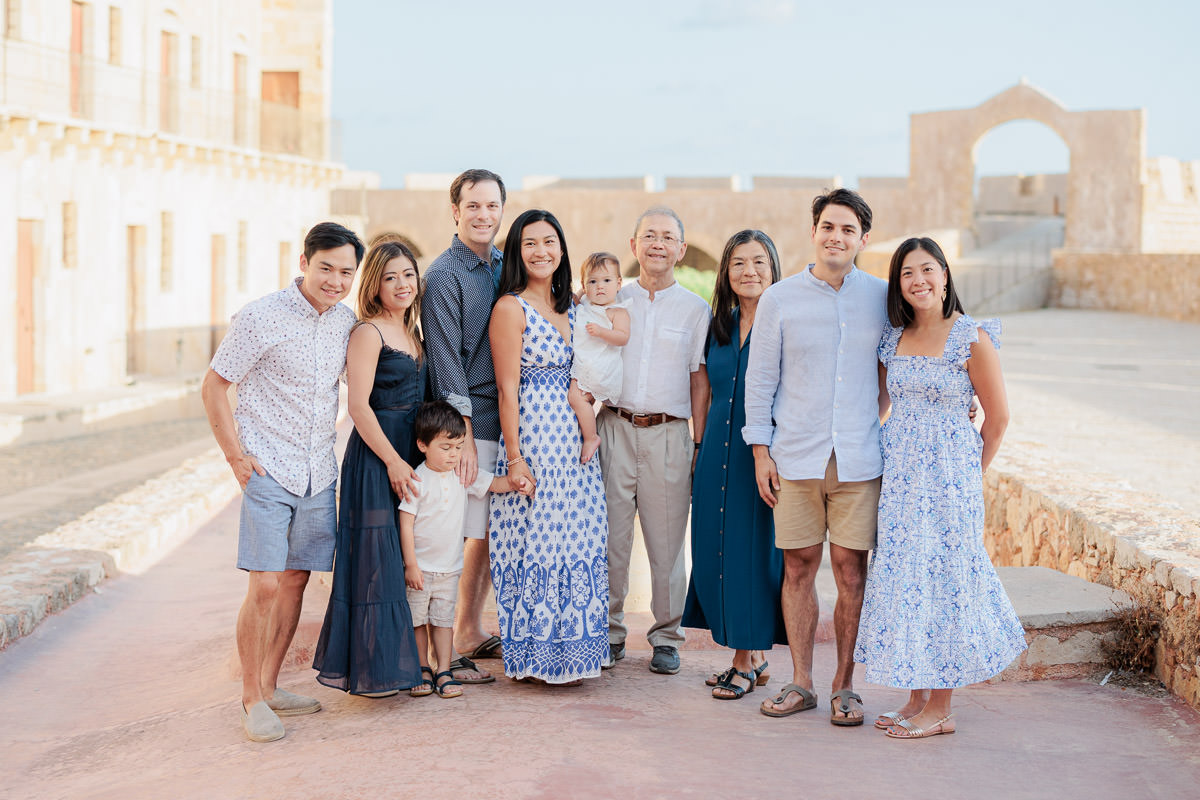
(280, 530)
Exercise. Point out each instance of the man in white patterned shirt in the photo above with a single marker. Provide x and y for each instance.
(646, 448)
(286, 353)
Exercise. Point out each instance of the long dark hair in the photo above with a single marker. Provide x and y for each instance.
(724, 300)
(900, 313)
(514, 279)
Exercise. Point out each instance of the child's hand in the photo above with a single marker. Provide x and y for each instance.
(413, 578)
(593, 329)
(523, 486)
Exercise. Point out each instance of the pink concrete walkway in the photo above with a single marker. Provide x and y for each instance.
(130, 694)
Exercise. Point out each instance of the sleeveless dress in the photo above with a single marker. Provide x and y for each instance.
(736, 568)
(367, 642)
(934, 615)
(549, 554)
(596, 364)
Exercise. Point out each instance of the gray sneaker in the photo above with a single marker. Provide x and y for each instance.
(261, 723)
(286, 704)
(665, 660)
(615, 653)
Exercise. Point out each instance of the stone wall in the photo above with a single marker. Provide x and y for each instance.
(1098, 529)
(1162, 284)
(1171, 206)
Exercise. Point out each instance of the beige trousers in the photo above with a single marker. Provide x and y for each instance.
(647, 471)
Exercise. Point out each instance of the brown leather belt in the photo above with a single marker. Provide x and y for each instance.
(642, 420)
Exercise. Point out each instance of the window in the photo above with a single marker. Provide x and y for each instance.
(243, 267)
(167, 262)
(114, 35)
(69, 234)
(197, 62)
(12, 19)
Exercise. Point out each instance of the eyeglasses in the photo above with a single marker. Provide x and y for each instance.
(666, 238)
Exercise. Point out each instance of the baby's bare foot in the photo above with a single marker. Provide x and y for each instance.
(590, 446)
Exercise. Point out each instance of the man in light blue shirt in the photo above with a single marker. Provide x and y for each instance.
(813, 402)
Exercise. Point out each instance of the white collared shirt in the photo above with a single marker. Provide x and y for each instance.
(666, 345)
(439, 506)
(812, 381)
(286, 360)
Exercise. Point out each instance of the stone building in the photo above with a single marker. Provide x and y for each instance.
(160, 161)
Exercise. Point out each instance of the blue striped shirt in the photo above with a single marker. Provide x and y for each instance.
(455, 311)
(812, 380)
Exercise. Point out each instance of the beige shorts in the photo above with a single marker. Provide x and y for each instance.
(475, 520)
(807, 509)
(434, 603)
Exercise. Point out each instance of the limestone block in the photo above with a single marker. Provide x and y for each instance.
(1162, 573)
(1183, 580)
(1081, 647)
(1126, 554)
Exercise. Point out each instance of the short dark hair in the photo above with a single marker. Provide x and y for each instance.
(843, 197)
(659, 211)
(438, 416)
(724, 300)
(900, 313)
(472, 177)
(330, 236)
(514, 279)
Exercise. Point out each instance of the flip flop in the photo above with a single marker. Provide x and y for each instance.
(490, 647)
(461, 663)
(846, 696)
(807, 700)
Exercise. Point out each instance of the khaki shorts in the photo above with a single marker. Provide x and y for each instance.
(807, 509)
(435, 602)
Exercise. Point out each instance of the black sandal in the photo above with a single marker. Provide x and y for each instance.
(726, 682)
(425, 687)
(439, 685)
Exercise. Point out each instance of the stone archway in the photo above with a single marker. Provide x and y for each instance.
(1104, 187)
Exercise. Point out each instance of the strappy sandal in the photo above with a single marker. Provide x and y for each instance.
(727, 683)
(761, 676)
(440, 686)
(846, 695)
(425, 687)
(807, 700)
(888, 719)
(911, 731)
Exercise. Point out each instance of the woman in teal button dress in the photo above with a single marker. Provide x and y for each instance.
(736, 568)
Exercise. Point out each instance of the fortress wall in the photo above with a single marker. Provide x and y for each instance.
(1162, 284)
(1037, 514)
(1022, 194)
(1171, 206)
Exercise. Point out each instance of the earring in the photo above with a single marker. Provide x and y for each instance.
(943, 294)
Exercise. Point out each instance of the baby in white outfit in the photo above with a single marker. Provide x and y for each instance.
(601, 328)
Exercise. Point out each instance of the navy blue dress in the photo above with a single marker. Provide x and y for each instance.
(736, 568)
(367, 642)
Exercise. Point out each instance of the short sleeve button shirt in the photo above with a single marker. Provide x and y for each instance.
(286, 360)
(666, 345)
(439, 507)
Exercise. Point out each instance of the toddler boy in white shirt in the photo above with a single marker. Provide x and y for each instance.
(431, 539)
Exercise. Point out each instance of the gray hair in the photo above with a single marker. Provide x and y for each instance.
(659, 211)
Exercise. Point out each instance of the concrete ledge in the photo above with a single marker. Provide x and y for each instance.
(57, 569)
(1096, 528)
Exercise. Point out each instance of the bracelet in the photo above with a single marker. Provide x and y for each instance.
(516, 460)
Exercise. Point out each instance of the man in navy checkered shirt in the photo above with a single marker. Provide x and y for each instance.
(460, 289)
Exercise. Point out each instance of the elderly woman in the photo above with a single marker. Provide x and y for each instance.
(736, 568)
(935, 616)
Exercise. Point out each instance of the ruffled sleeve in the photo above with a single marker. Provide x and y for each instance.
(888, 343)
(966, 333)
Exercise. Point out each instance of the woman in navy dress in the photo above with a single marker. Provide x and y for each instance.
(736, 568)
(367, 645)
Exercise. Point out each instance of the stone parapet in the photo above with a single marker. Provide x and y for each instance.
(1097, 528)
(59, 568)
(1162, 284)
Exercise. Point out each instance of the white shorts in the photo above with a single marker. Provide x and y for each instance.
(475, 521)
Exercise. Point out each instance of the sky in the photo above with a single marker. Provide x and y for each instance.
(757, 87)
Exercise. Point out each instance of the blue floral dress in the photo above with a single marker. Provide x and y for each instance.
(935, 615)
(549, 555)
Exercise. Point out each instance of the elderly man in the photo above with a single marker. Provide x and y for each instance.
(646, 448)
(286, 353)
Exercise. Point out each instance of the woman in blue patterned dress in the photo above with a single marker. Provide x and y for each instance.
(935, 616)
(549, 552)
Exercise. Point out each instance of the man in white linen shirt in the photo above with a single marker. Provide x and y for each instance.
(813, 402)
(286, 352)
(646, 448)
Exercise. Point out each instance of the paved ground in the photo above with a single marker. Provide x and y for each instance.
(131, 694)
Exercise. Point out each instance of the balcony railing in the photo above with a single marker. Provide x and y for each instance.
(45, 81)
